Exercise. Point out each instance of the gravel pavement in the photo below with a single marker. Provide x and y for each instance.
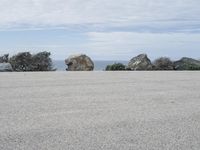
(100, 111)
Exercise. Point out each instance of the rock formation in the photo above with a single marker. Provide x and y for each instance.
(79, 62)
(5, 67)
(140, 62)
(186, 63)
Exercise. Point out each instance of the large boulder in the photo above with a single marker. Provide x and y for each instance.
(140, 62)
(186, 63)
(79, 62)
(4, 58)
(5, 67)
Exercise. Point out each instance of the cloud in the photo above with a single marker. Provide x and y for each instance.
(124, 45)
(104, 29)
(94, 15)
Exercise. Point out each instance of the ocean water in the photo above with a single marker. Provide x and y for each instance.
(99, 65)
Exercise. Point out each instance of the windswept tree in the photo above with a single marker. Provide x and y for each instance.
(163, 63)
(37, 62)
(21, 61)
(4, 58)
(42, 62)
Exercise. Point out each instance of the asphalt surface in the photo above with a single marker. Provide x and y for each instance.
(100, 111)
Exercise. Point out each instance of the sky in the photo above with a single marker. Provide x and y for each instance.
(102, 29)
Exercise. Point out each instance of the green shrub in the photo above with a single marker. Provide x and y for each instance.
(192, 67)
(115, 67)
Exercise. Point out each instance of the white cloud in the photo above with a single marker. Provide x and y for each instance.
(107, 29)
(147, 14)
(124, 45)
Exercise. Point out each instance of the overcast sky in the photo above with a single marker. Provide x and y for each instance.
(102, 29)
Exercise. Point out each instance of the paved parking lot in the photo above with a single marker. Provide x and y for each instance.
(100, 110)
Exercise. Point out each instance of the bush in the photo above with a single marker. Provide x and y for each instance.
(115, 67)
(26, 62)
(192, 67)
(163, 63)
(42, 62)
(4, 58)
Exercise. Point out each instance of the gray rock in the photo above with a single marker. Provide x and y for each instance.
(186, 63)
(5, 67)
(4, 58)
(140, 62)
(79, 62)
